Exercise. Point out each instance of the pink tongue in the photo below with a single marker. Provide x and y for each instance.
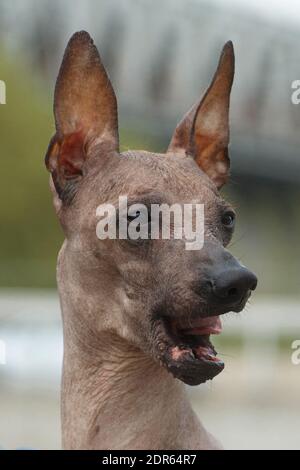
(206, 326)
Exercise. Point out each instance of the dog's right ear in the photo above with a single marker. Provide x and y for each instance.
(85, 110)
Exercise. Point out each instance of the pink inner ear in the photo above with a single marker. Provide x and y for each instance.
(71, 155)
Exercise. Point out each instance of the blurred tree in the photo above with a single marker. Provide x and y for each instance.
(30, 235)
(45, 36)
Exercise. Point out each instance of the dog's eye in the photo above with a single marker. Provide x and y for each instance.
(138, 228)
(228, 219)
(145, 218)
(131, 217)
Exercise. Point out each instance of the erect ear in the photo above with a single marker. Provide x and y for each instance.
(204, 130)
(85, 110)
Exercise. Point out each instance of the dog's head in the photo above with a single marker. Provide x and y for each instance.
(154, 292)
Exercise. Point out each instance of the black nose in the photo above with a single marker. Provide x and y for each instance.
(233, 285)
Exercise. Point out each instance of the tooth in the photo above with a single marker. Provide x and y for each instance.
(192, 354)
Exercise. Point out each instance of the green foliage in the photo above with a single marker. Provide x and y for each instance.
(30, 235)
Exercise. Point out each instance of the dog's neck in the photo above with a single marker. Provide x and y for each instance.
(114, 396)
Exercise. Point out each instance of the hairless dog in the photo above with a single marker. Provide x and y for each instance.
(138, 314)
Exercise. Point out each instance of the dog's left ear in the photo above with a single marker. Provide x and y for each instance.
(85, 110)
(204, 130)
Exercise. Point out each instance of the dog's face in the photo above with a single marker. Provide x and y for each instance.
(153, 292)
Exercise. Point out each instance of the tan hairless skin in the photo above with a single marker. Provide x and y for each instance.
(137, 315)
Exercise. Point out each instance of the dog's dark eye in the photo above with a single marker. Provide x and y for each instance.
(130, 218)
(228, 219)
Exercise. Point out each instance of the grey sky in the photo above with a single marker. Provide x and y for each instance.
(289, 10)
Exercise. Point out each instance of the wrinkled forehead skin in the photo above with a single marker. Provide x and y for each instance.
(140, 175)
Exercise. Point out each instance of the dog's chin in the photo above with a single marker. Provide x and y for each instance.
(186, 349)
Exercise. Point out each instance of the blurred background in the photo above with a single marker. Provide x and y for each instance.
(160, 57)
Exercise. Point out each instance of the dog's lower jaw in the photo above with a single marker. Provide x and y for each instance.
(116, 397)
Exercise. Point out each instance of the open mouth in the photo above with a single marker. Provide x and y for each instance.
(187, 351)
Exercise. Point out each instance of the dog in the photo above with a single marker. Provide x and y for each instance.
(138, 314)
